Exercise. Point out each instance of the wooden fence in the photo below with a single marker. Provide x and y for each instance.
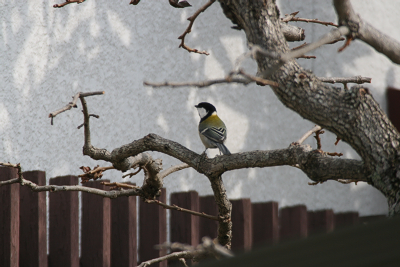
(109, 226)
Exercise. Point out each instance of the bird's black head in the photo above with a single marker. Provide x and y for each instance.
(207, 106)
(205, 110)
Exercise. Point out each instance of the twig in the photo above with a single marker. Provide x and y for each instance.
(314, 21)
(55, 188)
(172, 256)
(258, 79)
(69, 2)
(174, 207)
(132, 173)
(173, 169)
(73, 103)
(200, 84)
(317, 134)
(208, 246)
(120, 185)
(308, 134)
(337, 140)
(292, 17)
(183, 261)
(327, 38)
(334, 154)
(307, 57)
(355, 79)
(288, 18)
(189, 29)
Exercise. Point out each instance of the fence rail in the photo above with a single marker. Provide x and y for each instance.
(109, 226)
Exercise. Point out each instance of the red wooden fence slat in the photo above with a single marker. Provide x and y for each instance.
(9, 219)
(123, 232)
(96, 228)
(322, 221)
(152, 229)
(64, 224)
(184, 227)
(393, 100)
(208, 227)
(265, 222)
(293, 222)
(33, 220)
(242, 233)
(346, 219)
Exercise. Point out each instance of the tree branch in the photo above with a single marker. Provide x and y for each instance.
(69, 2)
(359, 29)
(175, 207)
(308, 134)
(73, 103)
(189, 29)
(355, 79)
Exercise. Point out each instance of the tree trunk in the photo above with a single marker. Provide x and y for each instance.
(353, 115)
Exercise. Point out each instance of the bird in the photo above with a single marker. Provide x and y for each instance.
(212, 129)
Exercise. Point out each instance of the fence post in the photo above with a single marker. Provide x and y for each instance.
(321, 221)
(33, 222)
(64, 224)
(242, 234)
(152, 229)
(346, 218)
(208, 227)
(96, 228)
(293, 222)
(9, 219)
(265, 222)
(123, 232)
(185, 227)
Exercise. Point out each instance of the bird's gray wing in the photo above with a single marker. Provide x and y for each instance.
(216, 134)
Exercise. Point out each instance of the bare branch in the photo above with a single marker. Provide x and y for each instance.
(355, 79)
(69, 2)
(308, 134)
(288, 17)
(200, 84)
(327, 38)
(55, 188)
(175, 207)
(189, 29)
(359, 29)
(173, 169)
(172, 256)
(258, 79)
(73, 103)
(314, 21)
(132, 173)
(116, 185)
(231, 78)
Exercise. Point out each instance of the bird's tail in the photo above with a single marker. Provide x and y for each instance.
(223, 149)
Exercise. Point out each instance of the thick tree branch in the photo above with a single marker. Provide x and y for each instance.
(359, 29)
(353, 115)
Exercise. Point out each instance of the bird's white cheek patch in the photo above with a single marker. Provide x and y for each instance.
(202, 112)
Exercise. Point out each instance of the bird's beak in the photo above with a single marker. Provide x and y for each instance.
(195, 106)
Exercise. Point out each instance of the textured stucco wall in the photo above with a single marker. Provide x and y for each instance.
(49, 54)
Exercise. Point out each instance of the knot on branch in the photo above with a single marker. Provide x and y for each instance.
(354, 27)
(123, 165)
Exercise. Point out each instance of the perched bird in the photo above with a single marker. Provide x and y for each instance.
(212, 129)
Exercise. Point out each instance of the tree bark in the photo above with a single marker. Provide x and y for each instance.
(353, 115)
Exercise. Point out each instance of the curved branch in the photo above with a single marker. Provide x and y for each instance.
(362, 30)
